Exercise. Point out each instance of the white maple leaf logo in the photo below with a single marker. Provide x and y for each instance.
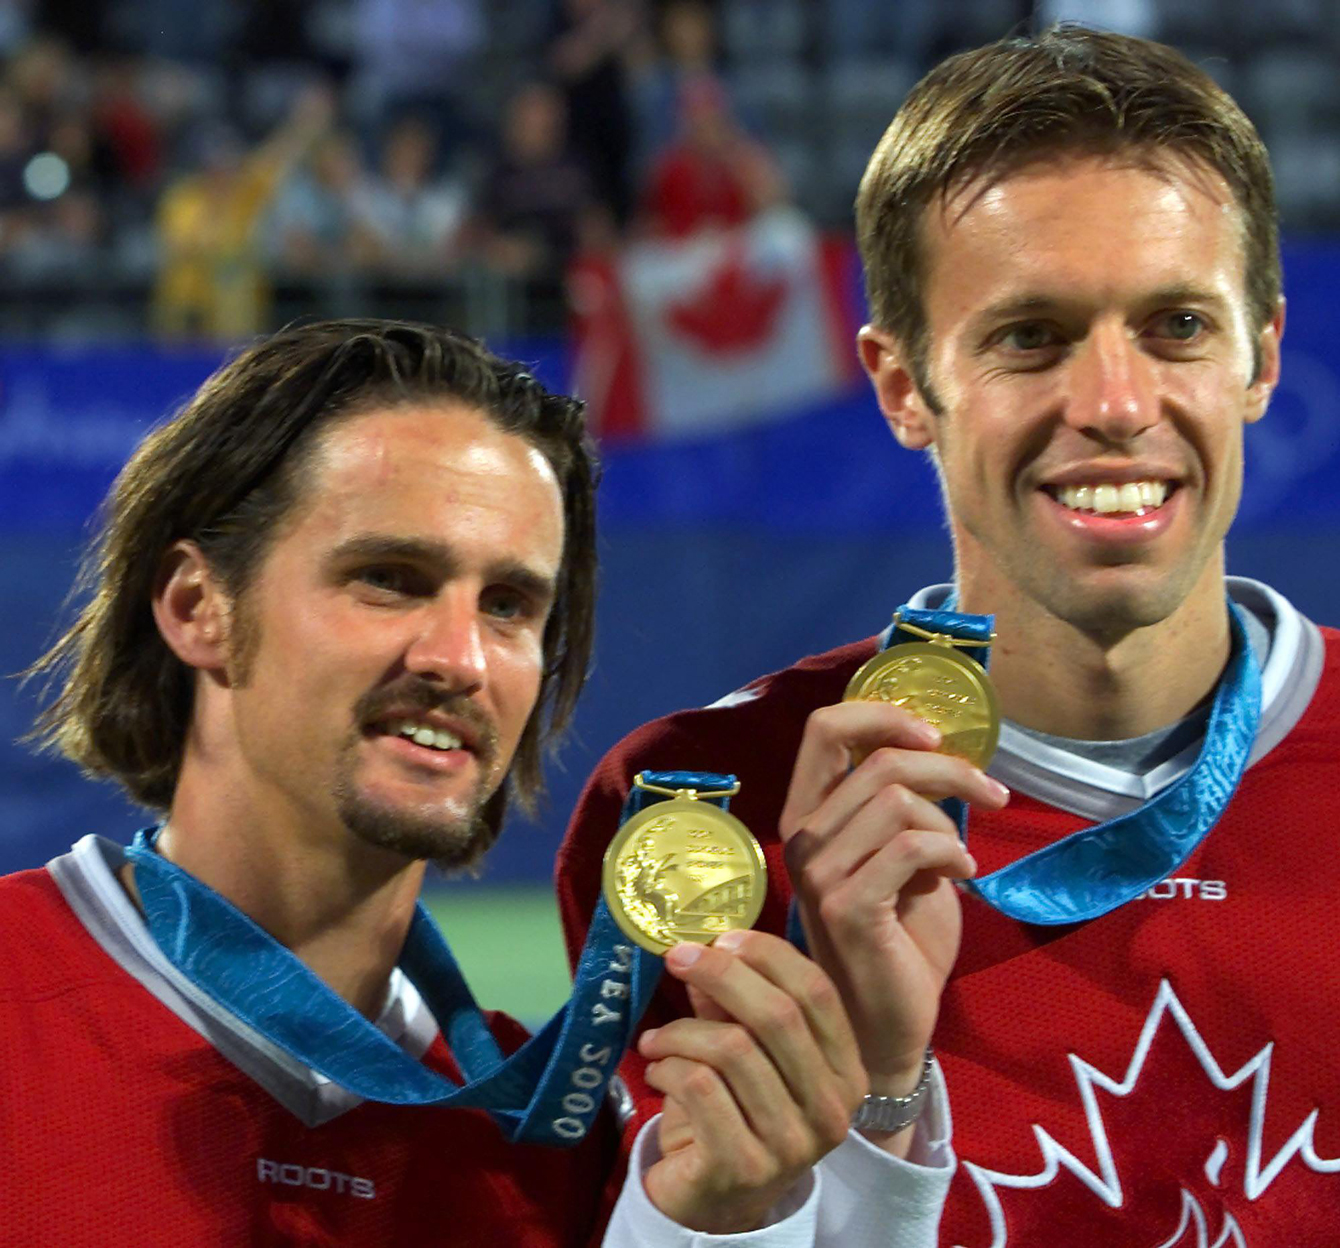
(1195, 1229)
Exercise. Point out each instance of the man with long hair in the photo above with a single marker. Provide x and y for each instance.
(339, 605)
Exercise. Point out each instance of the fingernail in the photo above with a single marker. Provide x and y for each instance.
(646, 1036)
(930, 733)
(684, 955)
(998, 789)
(730, 940)
(972, 863)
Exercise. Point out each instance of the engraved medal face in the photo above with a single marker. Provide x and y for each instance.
(683, 869)
(940, 685)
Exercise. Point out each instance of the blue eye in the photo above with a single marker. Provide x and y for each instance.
(1030, 336)
(1182, 326)
(392, 579)
(504, 604)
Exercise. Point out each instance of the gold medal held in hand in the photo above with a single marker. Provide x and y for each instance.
(936, 682)
(683, 869)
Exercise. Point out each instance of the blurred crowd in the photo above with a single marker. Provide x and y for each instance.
(218, 153)
(219, 149)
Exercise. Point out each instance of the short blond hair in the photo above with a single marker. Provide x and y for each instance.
(1068, 89)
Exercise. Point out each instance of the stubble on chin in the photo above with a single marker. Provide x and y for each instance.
(453, 835)
(451, 842)
(1108, 613)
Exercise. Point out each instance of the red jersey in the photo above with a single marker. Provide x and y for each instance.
(1162, 1075)
(136, 1113)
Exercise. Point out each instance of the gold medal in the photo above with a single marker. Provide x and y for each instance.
(945, 688)
(683, 869)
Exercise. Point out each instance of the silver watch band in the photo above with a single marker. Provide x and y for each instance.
(893, 1113)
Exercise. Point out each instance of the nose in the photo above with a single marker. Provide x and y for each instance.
(449, 645)
(1112, 392)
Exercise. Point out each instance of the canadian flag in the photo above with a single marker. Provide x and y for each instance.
(696, 336)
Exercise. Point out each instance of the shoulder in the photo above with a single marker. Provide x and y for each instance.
(45, 943)
(751, 723)
(752, 733)
(1328, 687)
(1300, 712)
(29, 898)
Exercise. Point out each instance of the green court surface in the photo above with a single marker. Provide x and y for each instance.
(509, 945)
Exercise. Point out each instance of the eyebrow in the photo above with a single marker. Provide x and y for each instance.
(441, 557)
(1023, 305)
(1035, 304)
(1183, 294)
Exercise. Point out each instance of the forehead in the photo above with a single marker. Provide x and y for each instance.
(1091, 225)
(443, 471)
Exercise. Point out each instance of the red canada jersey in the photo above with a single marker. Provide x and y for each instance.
(123, 1124)
(1163, 1075)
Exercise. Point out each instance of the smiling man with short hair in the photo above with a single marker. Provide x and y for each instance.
(1073, 275)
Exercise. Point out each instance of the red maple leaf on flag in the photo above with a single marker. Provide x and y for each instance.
(733, 311)
(1204, 1125)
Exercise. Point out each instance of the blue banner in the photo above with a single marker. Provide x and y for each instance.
(68, 418)
(721, 558)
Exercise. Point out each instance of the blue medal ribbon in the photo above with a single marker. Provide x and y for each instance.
(1095, 870)
(547, 1092)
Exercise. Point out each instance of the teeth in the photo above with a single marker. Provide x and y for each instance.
(1133, 497)
(434, 738)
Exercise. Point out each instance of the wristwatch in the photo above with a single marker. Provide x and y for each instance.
(893, 1113)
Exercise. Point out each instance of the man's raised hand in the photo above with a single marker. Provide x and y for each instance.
(872, 860)
(758, 1086)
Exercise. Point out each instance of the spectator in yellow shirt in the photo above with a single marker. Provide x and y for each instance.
(211, 279)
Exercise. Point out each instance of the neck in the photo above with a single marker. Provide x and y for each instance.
(341, 906)
(1057, 678)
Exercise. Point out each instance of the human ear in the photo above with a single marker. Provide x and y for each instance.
(190, 608)
(1268, 369)
(900, 399)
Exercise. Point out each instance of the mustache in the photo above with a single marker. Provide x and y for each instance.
(414, 694)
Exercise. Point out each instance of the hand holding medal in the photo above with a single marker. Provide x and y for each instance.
(872, 856)
(937, 683)
(740, 1122)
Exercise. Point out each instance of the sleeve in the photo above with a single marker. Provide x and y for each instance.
(857, 1197)
(869, 1197)
(637, 1223)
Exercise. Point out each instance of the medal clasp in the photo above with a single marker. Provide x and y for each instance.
(691, 795)
(939, 639)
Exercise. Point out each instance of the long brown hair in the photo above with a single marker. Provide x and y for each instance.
(227, 469)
